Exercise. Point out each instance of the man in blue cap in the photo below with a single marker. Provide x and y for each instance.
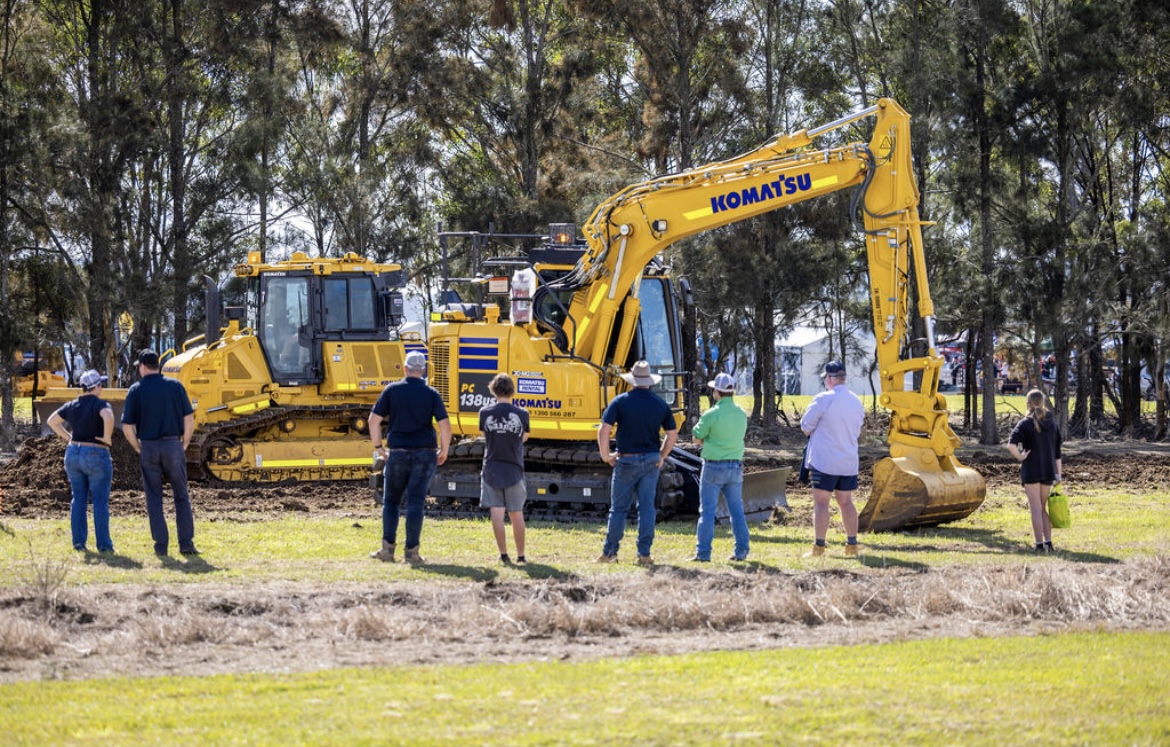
(833, 425)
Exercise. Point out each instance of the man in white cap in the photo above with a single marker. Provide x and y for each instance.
(640, 415)
(408, 408)
(720, 431)
(833, 423)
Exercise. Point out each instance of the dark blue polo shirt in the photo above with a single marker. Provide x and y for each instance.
(639, 415)
(408, 407)
(84, 416)
(156, 406)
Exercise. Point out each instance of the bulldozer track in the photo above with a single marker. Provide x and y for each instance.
(198, 452)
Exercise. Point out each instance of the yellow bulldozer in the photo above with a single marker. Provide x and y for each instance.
(284, 390)
(582, 311)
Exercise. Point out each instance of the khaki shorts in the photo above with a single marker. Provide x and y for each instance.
(511, 498)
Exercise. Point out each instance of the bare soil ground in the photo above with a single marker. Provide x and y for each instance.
(49, 629)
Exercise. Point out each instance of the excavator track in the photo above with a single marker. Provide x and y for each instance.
(566, 483)
(256, 448)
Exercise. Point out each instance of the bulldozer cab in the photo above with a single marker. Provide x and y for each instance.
(299, 311)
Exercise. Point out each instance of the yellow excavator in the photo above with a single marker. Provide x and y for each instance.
(588, 310)
(284, 390)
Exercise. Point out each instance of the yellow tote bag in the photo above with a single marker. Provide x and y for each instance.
(1058, 507)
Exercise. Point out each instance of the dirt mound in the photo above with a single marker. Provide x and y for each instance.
(35, 485)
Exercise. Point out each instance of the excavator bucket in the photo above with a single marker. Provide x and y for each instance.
(762, 492)
(917, 489)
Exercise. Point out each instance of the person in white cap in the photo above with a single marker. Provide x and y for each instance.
(720, 431)
(87, 459)
(640, 415)
(408, 408)
(833, 424)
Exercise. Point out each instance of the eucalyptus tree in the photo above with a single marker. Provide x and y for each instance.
(688, 54)
(94, 47)
(28, 119)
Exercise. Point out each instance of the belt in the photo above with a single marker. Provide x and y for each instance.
(88, 443)
(723, 461)
(402, 451)
(163, 438)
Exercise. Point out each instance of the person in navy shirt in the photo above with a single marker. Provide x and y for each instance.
(640, 416)
(408, 408)
(159, 421)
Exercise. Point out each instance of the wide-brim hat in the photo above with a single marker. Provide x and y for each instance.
(723, 383)
(641, 375)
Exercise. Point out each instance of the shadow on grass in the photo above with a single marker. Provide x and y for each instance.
(539, 570)
(471, 573)
(113, 560)
(194, 564)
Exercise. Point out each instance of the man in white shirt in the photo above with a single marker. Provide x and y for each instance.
(833, 424)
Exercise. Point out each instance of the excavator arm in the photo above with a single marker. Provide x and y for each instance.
(921, 483)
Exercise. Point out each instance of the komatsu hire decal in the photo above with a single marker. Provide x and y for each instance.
(785, 185)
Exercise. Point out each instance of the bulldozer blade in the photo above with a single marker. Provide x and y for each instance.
(910, 491)
(762, 493)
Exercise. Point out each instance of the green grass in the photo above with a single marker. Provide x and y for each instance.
(1091, 689)
(1108, 526)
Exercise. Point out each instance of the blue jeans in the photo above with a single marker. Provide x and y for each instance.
(407, 478)
(159, 459)
(633, 475)
(725, 477)
(90, 470)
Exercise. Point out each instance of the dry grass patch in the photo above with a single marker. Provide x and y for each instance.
(307, 626)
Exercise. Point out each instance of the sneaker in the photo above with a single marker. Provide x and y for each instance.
(737, 559)
(645, 560)
(505, 559)
(697, 559)
(188, 550)
(816, 551)
(603, 558)
(853, 550)
(520, 560)
(1048, 546)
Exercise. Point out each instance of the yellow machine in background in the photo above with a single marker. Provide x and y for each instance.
(283, 392)
(614, 305)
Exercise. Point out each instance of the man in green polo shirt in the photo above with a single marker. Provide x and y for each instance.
(720, 432)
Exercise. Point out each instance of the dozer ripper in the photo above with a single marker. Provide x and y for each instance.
(589, 313)
(284, 391)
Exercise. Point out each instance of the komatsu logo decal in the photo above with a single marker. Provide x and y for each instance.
(785, 185)
(537, 404)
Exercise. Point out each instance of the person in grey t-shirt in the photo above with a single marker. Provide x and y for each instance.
(505, 429)
(833, 424)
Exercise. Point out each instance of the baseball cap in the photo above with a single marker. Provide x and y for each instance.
(415, 361)
(90, 379)
(148, 358)
(834, 368)
(723, 383)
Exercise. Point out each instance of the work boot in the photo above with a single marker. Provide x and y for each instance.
(603, 558)
(816, 551)
(386, 554)
(645, 560)
(412, 556)
(853, 550)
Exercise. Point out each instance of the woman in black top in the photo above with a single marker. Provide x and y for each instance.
(87, 459)
(1035, 443)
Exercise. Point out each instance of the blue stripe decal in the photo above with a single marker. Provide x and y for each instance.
(481, 340)
(476, 365)
(468, 350)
